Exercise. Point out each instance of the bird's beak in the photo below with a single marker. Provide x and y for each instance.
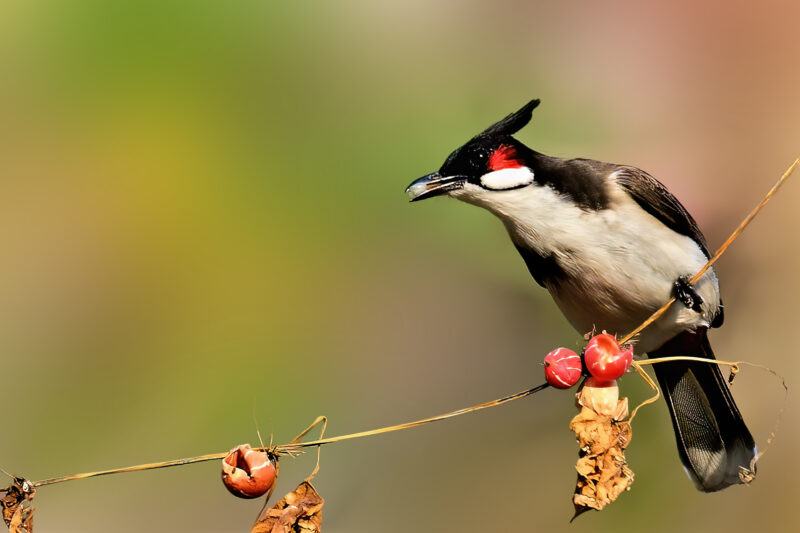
(433, 185)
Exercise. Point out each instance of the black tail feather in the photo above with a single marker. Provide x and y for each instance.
(713, 440)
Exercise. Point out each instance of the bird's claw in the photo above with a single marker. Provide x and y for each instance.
(685, 293)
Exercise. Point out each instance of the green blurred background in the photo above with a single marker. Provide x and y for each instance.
(203, 219)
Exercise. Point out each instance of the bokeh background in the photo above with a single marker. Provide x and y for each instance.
(203, 231)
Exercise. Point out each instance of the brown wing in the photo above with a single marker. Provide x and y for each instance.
(653, 197)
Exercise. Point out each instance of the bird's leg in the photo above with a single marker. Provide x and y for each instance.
(685, 293)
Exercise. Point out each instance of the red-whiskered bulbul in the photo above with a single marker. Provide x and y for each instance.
(611, 244)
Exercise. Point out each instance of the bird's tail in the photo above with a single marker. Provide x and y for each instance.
(713, 441)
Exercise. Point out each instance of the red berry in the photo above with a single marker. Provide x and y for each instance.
(248, 473)
(605, 359)
(562, 368)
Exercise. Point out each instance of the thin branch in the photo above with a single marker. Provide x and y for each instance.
(671, 359)
(722, 249)
(647, 379)
(294, 447)
(320, 421)
(734, 365)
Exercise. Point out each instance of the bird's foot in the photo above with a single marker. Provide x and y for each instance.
(685, 293)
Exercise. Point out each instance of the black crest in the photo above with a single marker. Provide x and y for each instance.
(471, 159)
(513, 122)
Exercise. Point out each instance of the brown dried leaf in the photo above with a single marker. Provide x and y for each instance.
(603, 473)
(300, 511)
(15, 501)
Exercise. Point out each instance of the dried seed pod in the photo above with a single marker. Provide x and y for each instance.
(300, 511)
(16, 505)
(600, 396)
(248, 473)
(603, 472)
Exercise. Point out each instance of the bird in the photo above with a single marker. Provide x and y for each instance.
(611, 244)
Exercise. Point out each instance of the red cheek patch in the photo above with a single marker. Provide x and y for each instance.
(505, 156)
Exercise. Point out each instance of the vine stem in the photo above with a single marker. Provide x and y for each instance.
(722, 249)
(735, 367)
(294, 446)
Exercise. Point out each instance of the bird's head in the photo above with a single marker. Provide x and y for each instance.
(489, 164)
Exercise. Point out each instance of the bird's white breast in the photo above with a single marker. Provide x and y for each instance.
(620, 262)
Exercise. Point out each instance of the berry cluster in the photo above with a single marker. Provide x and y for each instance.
(603, 359)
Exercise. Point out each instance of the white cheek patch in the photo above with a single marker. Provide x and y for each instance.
(507, 178)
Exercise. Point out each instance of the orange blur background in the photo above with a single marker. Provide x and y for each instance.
(204, 231)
